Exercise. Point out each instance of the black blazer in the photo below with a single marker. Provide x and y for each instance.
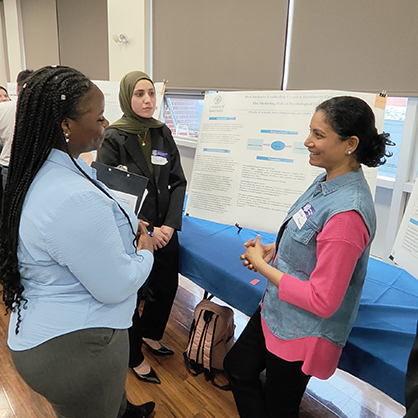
(167, 183)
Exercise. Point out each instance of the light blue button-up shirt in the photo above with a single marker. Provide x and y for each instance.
(77, 260)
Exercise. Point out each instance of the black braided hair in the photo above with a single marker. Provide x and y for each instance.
(350, 116)
(49, 95)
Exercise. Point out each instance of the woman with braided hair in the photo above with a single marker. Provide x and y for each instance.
(72, 257)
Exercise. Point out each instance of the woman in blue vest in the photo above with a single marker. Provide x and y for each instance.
(318, 269)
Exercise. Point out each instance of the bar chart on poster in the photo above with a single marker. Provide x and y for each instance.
(251, 163)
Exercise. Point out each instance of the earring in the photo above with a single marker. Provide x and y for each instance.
(67, 137)
(348, 152)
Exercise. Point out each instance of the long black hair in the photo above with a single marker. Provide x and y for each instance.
(48, 96)
(350, 116)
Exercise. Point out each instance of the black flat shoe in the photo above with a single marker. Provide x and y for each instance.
(138, 411)
(162, 351)
(150, 377)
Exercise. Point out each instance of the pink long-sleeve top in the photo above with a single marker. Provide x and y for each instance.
(339, 246)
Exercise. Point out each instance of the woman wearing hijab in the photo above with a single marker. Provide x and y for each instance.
(145, 146)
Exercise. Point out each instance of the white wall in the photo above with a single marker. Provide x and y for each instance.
(131, 18)
(3, 51)
(40, 33)
(13, 38)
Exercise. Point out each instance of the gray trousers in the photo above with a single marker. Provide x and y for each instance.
(81, 374)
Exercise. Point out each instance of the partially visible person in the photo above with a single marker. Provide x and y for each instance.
(4, 95)
(72, 257)
(319, 266)
(7, 123)
(7, 114)
(145, 146)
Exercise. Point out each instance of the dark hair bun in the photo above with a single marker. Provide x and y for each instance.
(350, 116)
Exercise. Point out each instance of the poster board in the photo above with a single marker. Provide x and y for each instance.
(251, 163)
(12, 90)
(405, 249)
(159, 93)
(110, 89)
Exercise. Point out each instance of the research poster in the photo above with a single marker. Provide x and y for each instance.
(405, 249)
(250, 163)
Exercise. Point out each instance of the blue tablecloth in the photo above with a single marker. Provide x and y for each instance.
(209, 256)
(378, 347)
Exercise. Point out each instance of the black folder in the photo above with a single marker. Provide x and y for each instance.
(118, 179)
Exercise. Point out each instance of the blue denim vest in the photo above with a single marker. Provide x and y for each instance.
(297, 256)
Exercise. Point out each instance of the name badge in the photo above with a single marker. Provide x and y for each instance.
(303, 214)
(159, 157)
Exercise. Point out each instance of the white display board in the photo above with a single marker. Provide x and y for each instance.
(159, 93)
(12, 90)
(110, 89)
(250, 163)
(405, 249)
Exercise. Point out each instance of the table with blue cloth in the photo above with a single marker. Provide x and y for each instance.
(378, 348)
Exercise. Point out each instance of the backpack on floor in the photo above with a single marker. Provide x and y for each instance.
(211, 337)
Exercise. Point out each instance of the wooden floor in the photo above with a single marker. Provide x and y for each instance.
(182, 395)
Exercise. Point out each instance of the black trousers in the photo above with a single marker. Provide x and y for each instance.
(162, 286)
(4, 172)
(281, 393)
(81, 374)
(1, 187)
(411, 382)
